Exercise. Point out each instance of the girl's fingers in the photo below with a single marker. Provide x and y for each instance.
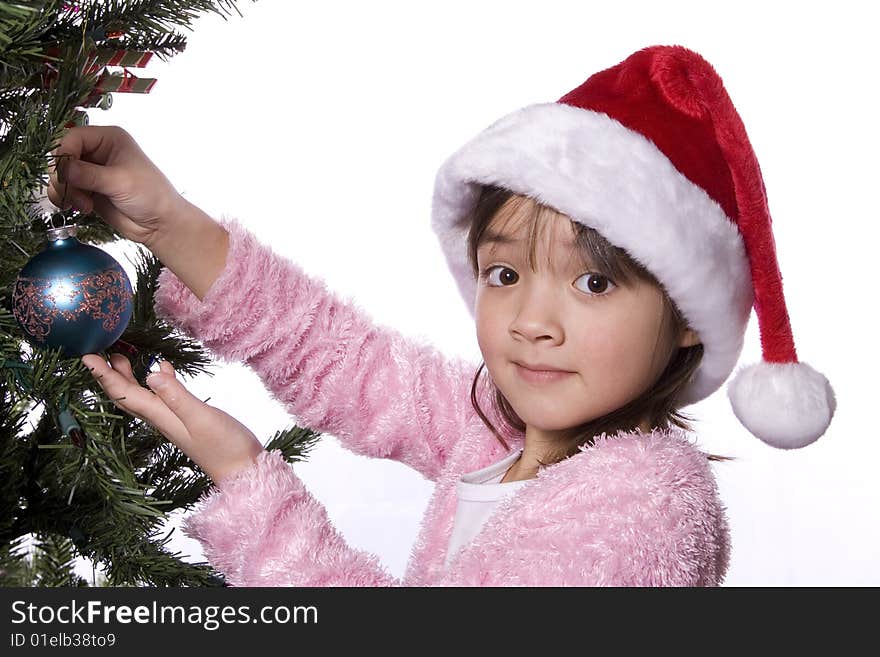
(121, 388)
(185, 405)
(90, 177)
(64, 195)
(122, 365)
(168, 424)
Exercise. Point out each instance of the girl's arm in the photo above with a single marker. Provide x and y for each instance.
(381, 394)
(261, 527)
(632, 518)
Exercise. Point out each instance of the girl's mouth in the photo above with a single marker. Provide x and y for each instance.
(540, 376)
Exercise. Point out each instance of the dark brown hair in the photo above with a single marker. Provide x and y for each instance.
(659, 403)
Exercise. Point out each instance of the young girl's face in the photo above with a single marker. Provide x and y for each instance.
(613, 341)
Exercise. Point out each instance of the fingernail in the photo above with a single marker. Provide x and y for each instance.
(155, 380)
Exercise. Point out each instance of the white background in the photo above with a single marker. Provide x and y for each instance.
(321, 126)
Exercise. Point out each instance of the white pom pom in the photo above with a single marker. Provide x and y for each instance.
(787, 405)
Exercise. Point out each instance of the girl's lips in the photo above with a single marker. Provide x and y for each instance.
(540, 376)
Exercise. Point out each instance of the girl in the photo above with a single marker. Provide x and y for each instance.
(610, 247)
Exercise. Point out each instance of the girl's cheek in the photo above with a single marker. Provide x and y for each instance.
(489, 319)
(622, 360)
(487, 339)
(603, 351)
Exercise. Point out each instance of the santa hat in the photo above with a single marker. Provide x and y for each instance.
(652, 154)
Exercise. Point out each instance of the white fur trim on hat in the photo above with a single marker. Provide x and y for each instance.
(606, 176)
(787, 405)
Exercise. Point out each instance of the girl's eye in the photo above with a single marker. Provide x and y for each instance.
(486, 274)
(596, 283)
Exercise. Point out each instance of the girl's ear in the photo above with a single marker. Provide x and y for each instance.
(688, 338)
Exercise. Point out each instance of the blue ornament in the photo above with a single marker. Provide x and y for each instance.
(72, 295)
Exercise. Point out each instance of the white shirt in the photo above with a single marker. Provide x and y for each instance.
(479, 492)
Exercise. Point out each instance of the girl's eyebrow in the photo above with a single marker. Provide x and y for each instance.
(491, 237)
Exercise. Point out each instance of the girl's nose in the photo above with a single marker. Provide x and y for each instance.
(538, 316)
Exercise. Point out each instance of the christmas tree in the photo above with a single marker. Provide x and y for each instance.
(79, 477)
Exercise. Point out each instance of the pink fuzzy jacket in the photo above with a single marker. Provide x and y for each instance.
(633, 510)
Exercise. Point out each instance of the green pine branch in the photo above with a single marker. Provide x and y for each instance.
(107, 498)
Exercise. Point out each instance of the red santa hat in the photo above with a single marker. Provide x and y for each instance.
(652, 153)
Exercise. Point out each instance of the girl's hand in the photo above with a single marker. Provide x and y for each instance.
(102, 169)
(216, 441)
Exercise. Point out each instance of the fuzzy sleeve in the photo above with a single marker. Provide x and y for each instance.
(261, 527)
(636, 516)
(380, 393)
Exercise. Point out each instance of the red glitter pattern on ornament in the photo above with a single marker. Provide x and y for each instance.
(31, 307)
